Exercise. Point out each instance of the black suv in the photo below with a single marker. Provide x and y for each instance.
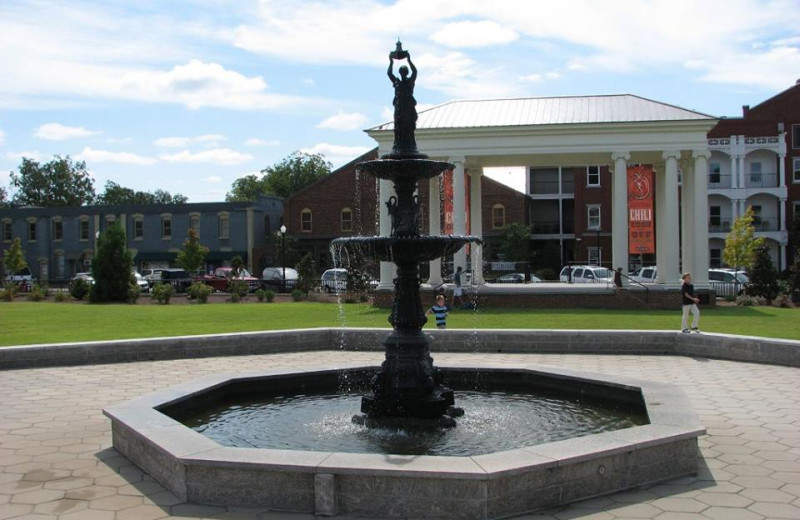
(177, 278)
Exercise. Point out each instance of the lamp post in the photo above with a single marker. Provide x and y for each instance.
(283, 264)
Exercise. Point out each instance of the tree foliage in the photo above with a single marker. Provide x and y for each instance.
(111, 267)
(763, 276)
(794, 278)
(4, 202)
(283, 179)
(741, 244)
(307, 277)
(516, 242)
(115, 194)
(14, 257)
(193, 254)
(60, 182)
(237, 264)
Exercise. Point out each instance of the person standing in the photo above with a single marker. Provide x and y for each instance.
(690, 301)
(618, 278)
(439, 311)
(457, 292)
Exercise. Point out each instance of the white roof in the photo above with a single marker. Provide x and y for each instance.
(549, 111)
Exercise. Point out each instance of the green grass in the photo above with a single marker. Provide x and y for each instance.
(25, 323)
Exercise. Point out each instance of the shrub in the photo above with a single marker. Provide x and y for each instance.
(200, 292)
(60, 297)
(748, 301)
(37, 293)
(783, 301)
(111, 267)
(162, 292)
(547, 274)
(269, 295)
(238, 290)
(298, 295)
(79, 288)
(7, 292)
(133, 293)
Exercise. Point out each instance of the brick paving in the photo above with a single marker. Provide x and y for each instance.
(56, 459)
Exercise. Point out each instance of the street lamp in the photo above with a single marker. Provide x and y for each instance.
(283, 263)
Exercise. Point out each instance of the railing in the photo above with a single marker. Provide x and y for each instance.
(718, 180)
(722, 226)
(759, 224)
(545, 227)
(751, 180)
(726, 289)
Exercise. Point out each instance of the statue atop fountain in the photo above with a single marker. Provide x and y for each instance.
(407, 386)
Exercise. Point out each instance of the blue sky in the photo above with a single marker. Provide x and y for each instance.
(189, 95)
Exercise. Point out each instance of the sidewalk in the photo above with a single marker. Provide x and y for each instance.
(56, 459)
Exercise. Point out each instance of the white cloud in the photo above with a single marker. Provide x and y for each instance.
(183, 142)
(254, 141)
(344, 121)
(18, 156)
(222, 156)
(776, 69)
(104, 156)
(59, 132)
(2, 136)
(538, 78)
(213, 179)
(336, 154)
(308, 81)
(474, 34)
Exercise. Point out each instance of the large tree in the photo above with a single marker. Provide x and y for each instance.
(283, 179)
(60, 182)
(741, 244)
(4, 202)
(115, 194)
(112, 266)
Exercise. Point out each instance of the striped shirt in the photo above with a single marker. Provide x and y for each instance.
(440, 313)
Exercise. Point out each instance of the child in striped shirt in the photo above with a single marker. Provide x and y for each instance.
(439, 311)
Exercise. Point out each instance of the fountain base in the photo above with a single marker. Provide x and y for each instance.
(409, 423)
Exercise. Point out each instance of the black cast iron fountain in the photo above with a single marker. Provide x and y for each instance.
(407, 385)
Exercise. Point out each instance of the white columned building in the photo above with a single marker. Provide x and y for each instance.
(610, 132)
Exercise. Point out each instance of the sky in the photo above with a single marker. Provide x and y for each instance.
(189, 95)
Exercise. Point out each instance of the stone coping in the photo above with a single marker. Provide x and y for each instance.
(656, 342)
(197, 469)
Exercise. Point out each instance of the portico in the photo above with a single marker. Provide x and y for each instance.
(612, 131)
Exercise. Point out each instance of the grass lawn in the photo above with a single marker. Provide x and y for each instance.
(25, 323)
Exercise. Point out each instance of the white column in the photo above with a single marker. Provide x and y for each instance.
(782, 214)
(434, 227)
(385, 190)
(689, 215)
(700, 188)
(476, 224)
(619, 215)
(459, 210)
(741, 171)
(734, 171)
(668, 257)
(661, 220)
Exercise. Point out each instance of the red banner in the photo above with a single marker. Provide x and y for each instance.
(641, 236)
(447, 200)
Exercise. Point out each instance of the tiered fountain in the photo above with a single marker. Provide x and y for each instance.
(407, 385)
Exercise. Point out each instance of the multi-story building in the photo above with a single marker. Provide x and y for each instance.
(60, 241)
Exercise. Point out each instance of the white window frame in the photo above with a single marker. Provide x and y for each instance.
(594, 255)
(306, 224)
(590, 174)
(60, 223)
(32, 235)
(714, 169)
(756, 172)
(6, 226)
(138, 220)
(589, 209)
(224, 225)
(796, 170)
(711, 215)
(795, 137)
(342, 221)
(500, 207)
(81, 222)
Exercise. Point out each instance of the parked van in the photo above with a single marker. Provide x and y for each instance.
(645, 274)
(587, 274)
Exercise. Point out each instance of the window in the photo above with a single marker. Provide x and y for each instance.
(138, 228)
(796, 137)
(714, 171)
(6, 231)
(32, 231)
(194, 222)
(224, 226)
(266, 226)
(594, 255)
(498, 216)
(305, 221)
(593, 221)
(715, 257)
(347, 219)
(715, 216)
(83, 229)
(110, 219)
(755, 173)
(60, 264)
(757, 222)
(166, 227)
(593, 176)
(58, 230)
(796, 169)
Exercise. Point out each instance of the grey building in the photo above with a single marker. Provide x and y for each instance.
(60, 241)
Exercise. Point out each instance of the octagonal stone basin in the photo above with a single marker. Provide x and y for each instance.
(492, 485)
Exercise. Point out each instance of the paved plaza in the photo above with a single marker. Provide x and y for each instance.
(57, 460)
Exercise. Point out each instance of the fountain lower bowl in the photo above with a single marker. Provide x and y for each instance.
(411, 169)
(492, 485)
(422, 248)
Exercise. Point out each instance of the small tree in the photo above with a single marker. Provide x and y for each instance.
(193, 254)
(516, 242)
(307, 277)
(794, 278)
(14, 257)
(237, 264)
(112, 267)
(763, 276)
(741, 244)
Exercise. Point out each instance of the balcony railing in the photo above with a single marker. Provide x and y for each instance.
(751, 180)
(719, 226)
(759, 224)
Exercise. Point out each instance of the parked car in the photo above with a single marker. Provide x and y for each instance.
(727, 282)
(516, 278)
(273, 278)
(152, 275)
(23, 279)
(334, 280)
(88, 278)
(144, 285)
(645, 274)
(221, 278)
(179, 279)
(587, 274)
